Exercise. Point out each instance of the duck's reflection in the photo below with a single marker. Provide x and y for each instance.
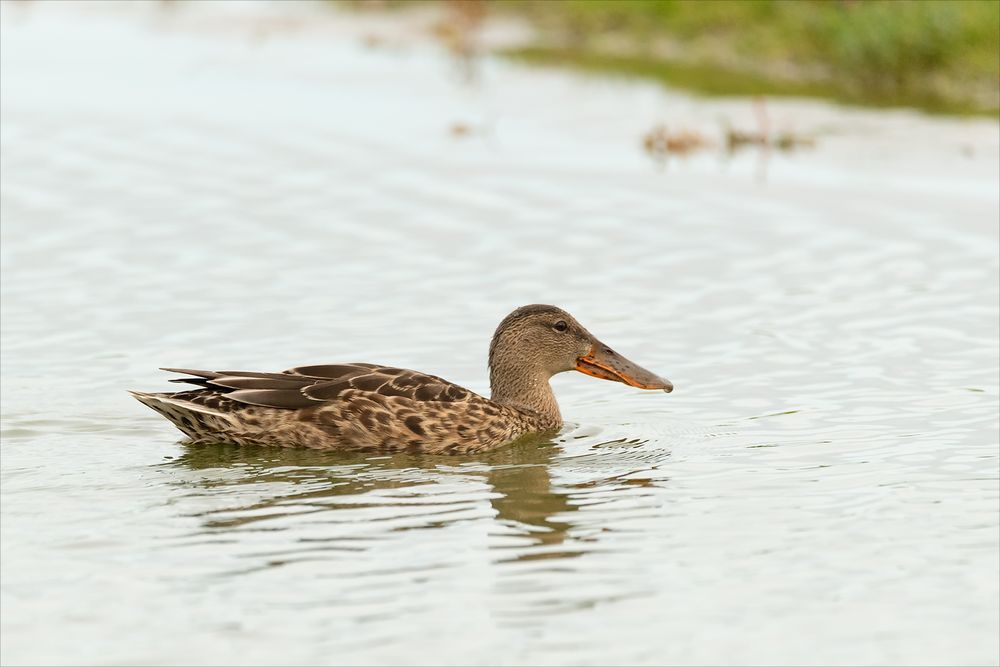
(286, 484)
(527, 500)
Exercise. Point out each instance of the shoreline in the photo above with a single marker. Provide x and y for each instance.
(932, 57)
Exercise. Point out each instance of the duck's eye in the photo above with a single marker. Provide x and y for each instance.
(560, 326)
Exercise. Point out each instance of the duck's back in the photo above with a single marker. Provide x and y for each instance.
(340, 406)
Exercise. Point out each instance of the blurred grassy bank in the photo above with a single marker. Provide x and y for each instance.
(936, 55)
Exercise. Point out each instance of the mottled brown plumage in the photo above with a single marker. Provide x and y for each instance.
(365, 407)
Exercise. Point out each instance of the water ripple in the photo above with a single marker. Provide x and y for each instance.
(823, 482)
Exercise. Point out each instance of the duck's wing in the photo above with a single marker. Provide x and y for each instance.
(311, 386)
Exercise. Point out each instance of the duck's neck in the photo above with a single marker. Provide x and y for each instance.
(525, 389)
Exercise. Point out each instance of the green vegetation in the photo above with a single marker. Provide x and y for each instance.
(938, 55)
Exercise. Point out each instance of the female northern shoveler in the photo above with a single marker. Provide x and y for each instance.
(368, 407)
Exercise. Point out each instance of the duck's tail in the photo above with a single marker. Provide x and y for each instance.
(196, 421)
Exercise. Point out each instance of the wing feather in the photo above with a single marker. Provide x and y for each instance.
(311, 386)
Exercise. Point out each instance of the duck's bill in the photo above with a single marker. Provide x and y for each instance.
(604, 363)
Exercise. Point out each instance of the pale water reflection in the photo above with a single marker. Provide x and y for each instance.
(410, 492)
(821, 487)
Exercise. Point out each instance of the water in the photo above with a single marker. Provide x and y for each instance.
(212, 187)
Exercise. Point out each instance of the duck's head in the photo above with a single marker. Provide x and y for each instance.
(544, 340)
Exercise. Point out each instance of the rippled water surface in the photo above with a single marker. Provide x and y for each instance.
(215, 187)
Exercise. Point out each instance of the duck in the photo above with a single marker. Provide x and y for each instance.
(367, 407)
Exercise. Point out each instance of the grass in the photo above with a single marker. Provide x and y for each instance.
(937, 55)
